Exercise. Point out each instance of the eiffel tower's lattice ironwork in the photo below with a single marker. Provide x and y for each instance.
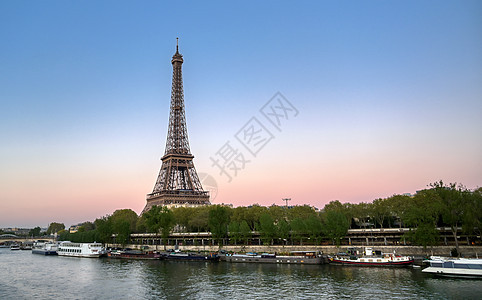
(178, 183)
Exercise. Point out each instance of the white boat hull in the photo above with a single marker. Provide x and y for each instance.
(79, 255)
(447, 272)
(70, 249)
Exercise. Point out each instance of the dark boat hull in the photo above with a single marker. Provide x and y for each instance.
(189, 257)
(44, 252)
(133, 255)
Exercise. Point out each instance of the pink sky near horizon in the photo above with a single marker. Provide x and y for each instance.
(89, 197)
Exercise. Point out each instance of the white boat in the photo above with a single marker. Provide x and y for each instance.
(15, 247)
(371, 258)
(81, 249)
(45, 248)
(455, 267)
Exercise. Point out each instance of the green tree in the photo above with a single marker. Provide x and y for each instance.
(253, 213)
(283, 230)
(124, 222)
(362, 212)
(86, 226)
(245, 231)
(453, 206)
(141, 226)
(472, 221)
(380, 211)
(104, 229)
(425, 235)
(335, 205)
(278, 213)
(160, 219)
(122, 228)
(63, 235)
(421, 213)
(267, 229)
(200, 219)
(234, 232)
(127, 215)
(34, 232)
(298, 229)
(314, 228)
(218, 223)
(183, 215)
(55, 227)
(347, 209)
(335, 225)
(302, 212)
(238, 214)
(397, 205)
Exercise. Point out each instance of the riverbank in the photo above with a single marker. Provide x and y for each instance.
(466, 251)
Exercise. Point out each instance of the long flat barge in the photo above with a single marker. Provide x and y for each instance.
(134, 254)
(295, 257)
(188, 256)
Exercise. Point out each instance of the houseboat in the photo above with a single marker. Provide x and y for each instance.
(134, 254)
(371, 258)
(15, 247)
(294, 257)
(26, 246)
(81, 249)
(188, 256)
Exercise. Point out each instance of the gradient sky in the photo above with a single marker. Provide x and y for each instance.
(389, 95)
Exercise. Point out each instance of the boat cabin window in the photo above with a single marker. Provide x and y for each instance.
(475, 266)
(436, 264)
(448, 264)
(461, 266)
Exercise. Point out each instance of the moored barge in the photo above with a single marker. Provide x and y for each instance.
(188, 256)
(294, 257)
(134, 254)
(372, 259)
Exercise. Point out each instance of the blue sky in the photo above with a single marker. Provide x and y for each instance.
(389, 95)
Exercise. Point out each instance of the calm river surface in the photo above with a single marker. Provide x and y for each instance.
(24, 275)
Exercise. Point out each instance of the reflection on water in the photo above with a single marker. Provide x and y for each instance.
(26, 276)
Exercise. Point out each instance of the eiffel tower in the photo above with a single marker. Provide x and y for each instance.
(178, 183)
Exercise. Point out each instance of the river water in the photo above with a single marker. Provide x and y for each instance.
(24, 275)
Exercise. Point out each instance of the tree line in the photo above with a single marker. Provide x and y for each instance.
(36, 232)
(440, 205)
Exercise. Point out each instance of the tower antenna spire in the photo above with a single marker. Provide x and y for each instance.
(177, 44)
